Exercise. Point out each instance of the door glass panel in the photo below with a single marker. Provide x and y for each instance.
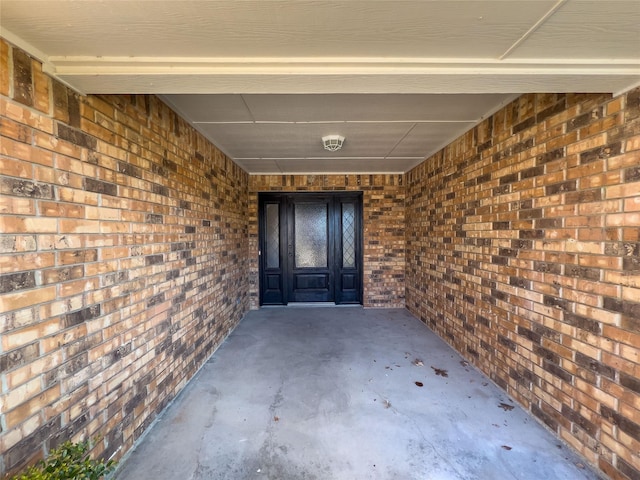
(310, 224)
(348, 235)
(273, 235)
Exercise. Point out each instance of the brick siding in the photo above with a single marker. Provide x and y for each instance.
(123, 261)
(383, 225)
(128, 251)
(524, 255)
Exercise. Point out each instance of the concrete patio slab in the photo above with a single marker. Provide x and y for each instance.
(345, 393)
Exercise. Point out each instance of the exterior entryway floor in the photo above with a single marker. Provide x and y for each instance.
(333, 393)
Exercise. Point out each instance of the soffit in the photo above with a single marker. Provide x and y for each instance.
(399, 79)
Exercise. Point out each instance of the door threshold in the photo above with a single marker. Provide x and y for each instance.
(312, 305)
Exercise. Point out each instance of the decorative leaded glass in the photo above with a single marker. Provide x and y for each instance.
(348, 235)
(273, 235)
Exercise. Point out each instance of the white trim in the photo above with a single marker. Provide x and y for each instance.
(466, 81)
(253, 174)
(47, 67)
(24, 45)
(323, 62)
(631, 86)
(342, 75)
(328, 122)
(153, 67)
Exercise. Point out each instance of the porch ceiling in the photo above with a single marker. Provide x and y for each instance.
(265, 80)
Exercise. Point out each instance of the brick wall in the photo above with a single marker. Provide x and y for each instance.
(383, 225)
(523, 252)
(128, 250)
(123, 260)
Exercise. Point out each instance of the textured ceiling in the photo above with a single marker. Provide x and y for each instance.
(264, 80)
(282, 133)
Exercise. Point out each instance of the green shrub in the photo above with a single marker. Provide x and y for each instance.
(70, 461)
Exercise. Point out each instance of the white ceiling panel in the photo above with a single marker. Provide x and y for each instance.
(287, 131)
(587, 29)
(264, 80)
(370, 108)
(301, 140)
(428, 137)
(259, 28)
(342, 165)
(210, 108)
(259, 165)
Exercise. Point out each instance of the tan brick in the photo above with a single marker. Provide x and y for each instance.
(22, 151)
(25, 115)
(611, 206)
(18, 338)
(631, 159)
(622, 278)
(30, 261)
(17, 244)
(12, 224)
(27, 409)
(15, 168)
(623, 191)
(59, 209)
(577, 444)
(78, 226)
(4, 68)
(630, 352)
(24, 299)
(78, 196)
(624, 219)
(17, 206)
(34, 369)
(96, 213)
(75, 165)
(21, 394)
(80, 399)
(632, 204)
(16, 131)
(630, 234)
(632, 144)
(609, 180)
(631, 294)
(631, 444)
(75, 287)
(41, 84)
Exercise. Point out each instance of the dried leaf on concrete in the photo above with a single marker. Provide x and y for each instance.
(440, 371)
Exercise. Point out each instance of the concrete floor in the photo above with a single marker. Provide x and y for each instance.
(330, 393)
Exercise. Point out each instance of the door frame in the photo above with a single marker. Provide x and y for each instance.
(274, 284)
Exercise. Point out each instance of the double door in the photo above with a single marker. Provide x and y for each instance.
(310, 248)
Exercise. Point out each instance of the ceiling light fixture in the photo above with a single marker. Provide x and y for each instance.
(333, 142)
